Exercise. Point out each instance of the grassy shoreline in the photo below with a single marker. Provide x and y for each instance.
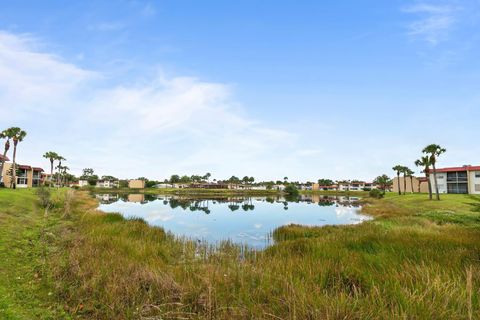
(416, 259)
(222, 192)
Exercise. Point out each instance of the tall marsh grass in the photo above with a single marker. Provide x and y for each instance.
(406, 264)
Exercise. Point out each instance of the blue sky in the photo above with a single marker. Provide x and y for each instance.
(304, 89)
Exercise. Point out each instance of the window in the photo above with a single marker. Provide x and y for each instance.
(477, 188)
(477, 174)
(460, 176)
(440, 176)
(458, 188)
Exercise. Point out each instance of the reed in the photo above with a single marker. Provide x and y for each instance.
(417, 259)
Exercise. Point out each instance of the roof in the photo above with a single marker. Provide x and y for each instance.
(4, 158)
(37, 169)
(24, 167)
(454, 169)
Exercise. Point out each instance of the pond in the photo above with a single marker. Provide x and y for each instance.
(242, 220)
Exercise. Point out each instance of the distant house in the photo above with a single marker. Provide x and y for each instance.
(107, 183)
(355, 186)
(217, 185)
(82, 183)
(136, 184)
(180, 185)
(163, 185)
(463, 180)
(317, 186)
(344, 186)
(278, 187)
(27, 176)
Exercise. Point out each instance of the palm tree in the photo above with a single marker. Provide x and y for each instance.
(5, 134)
(425, 163)
(409, 173)
(52, 156)
(434, 151)
(404, 171)
(399, 169)
(60, 159)
(62, 172)
(285, 179)
(18, 136)
(207, 176)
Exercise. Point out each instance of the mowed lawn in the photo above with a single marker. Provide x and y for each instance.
(418, 259)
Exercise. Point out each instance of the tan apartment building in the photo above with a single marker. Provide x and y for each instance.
(27, 176)
(420, 184)
(136, 184)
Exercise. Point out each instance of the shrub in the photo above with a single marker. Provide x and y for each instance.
(43, 194)
(376, 193)
(291, 190)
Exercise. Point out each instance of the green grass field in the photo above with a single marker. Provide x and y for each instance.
(418, 259)
(28, 239)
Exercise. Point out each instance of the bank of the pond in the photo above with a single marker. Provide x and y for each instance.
(417, 259)
(220, 192)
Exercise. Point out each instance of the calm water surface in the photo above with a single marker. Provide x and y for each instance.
(242, 220)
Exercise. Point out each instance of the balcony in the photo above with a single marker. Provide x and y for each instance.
(22, 181)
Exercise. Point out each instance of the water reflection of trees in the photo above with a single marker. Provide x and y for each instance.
(233, 203)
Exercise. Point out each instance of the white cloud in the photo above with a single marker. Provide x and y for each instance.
(32, 80)
(434, 21)
(157, 127)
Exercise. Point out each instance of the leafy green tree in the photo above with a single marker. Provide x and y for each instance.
(7, 134)
(398, 169)
(425, 163)
(234, 179)
(384, 182)
(86, 173)
(291, 190)
(150, 183)
(207, 176)
(92, 180)
(434, 151)
(186, 179)
(18, 136)
(175, 178)
(325, 182)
